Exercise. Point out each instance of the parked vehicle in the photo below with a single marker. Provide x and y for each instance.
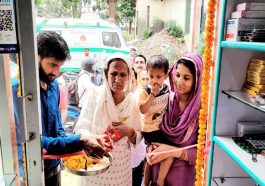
(100, 37)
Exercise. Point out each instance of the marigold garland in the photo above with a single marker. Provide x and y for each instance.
(208, 62)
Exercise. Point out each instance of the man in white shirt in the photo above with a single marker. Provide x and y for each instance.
(85, 79)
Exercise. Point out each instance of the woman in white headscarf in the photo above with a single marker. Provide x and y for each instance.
(113, 105)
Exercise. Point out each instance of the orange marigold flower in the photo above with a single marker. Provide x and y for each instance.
(202, 131)
(211, 3)
(210, 22)
(211, 9)
(208, 62)
(211, 16)
(202, 126)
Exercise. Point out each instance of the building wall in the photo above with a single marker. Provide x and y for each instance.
(175, 10)
(140, 17)
(165, 10)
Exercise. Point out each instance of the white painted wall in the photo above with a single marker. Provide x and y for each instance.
(166, 10)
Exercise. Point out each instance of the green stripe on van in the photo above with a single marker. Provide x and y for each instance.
(70, 69)
(107, 50)
(41, 25)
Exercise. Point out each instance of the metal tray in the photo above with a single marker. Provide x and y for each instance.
(92, 171)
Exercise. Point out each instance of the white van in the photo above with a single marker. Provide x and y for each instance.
(100, 37)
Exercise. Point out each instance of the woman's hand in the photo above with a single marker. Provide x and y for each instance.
(123, 130)
(153, 158)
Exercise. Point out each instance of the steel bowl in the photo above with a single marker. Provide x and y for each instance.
(90, 171)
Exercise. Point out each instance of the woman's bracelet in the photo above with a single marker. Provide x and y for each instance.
(133, 138)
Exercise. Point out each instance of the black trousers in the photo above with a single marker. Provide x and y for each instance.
(53, 177)
(137, 174)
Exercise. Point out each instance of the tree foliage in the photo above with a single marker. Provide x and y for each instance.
(113, 6)
(72, 8)
(126, 10)
(56, 8)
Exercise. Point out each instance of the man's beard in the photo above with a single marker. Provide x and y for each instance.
(44, 77)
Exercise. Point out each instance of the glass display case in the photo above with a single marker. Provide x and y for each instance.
(20, 128)
(230, 164)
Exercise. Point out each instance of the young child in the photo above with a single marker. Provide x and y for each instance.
(153, 104)
(143, 79)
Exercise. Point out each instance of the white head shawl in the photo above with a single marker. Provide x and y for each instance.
(106, 111)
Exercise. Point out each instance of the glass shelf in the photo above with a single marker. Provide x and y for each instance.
(244, 98)
(242, 158)
(256, 46)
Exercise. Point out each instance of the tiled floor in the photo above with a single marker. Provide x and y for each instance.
(69, 179)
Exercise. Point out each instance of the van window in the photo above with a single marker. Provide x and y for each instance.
(111, 39)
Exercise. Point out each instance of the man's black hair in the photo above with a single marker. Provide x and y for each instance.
(135, 74)
(132, 49)
(140, 55)
(158, 62)
(51, 44)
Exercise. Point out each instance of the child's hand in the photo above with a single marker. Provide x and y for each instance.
(155, 89)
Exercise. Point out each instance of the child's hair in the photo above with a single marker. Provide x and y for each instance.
(158, 62)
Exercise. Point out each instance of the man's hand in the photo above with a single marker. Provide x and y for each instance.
(96, 145)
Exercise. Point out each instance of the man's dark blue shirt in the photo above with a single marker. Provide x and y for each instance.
(54, 138)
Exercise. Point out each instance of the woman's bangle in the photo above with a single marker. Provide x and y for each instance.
(133, 138)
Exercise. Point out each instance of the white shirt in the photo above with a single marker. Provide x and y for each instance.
(84, 85)
(138, 153)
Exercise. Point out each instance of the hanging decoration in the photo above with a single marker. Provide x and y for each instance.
(207, 64)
